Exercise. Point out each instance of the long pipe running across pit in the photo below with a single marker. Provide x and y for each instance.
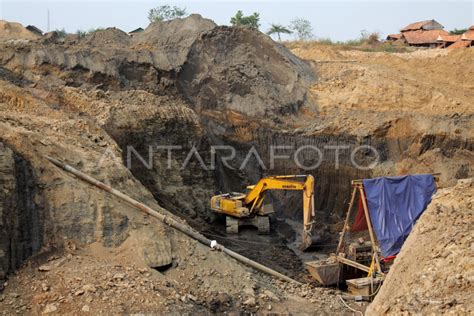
(184, 228)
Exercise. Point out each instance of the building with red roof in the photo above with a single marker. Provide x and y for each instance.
(420, 34)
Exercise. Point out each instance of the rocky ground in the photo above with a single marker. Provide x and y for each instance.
(66, 247)
(95, 279)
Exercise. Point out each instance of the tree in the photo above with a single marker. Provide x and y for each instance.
(165, 13)
(302, 28)
(458, 32)
(278, 29)
(81, 34)
(251, 21)
(61, 32)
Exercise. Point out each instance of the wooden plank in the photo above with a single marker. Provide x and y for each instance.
(352, 264)
(346, 222)
(371, 231)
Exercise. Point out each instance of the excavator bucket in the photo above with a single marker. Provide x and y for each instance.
(309, 240)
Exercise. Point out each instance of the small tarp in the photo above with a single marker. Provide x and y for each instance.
(395, 204)
(360, 223)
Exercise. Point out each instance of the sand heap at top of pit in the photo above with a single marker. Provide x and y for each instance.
(15, 31)
(212, 67)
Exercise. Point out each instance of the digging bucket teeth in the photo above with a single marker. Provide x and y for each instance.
(309, 240)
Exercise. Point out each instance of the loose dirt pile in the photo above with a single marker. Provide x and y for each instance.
(111, 37)
(95, 279)
(15, 31)
(434, 272)
(172, 40)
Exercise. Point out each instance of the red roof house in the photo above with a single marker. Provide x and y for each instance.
(423, 25)
(423, 33)
(393, 37)
(423, 38)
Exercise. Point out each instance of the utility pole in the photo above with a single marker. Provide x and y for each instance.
(48, 22)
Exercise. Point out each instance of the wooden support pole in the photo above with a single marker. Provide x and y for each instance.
(184, 228)
(346, 222)
(371, 231)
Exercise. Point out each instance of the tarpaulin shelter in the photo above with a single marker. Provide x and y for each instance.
(395, 204)
(388, 209)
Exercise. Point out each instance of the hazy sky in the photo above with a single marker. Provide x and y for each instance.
(338, 20)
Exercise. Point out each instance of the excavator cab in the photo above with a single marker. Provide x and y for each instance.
(250, 208)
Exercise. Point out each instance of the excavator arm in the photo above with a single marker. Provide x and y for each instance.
(255, 196)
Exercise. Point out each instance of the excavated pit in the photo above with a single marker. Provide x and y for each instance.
(189, 83)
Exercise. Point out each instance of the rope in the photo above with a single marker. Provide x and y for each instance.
(376, 291)
(350, 308)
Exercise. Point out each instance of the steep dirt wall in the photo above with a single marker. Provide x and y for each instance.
(433, 273)
(21, 212)
(43, 208)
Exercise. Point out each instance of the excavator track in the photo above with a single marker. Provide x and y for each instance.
(262, 223)
(232, 225)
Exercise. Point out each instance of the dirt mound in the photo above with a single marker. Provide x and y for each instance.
(171, 40)
(211, 67)
(244, 70)
(110, 37)
(15, 31)
(314, 51)
(434, 272)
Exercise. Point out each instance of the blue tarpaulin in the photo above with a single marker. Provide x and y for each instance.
(395, 203)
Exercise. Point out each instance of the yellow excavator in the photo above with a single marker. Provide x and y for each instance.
(249, 208)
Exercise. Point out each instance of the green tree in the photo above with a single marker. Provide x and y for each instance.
(251, 21)
(458, 32)
(81, 34)
(165, 13)
(278, 29)
(61, 32)
(302, 28)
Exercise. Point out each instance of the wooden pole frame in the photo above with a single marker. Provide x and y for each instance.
(358, 187)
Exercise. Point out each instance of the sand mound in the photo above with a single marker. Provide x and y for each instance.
(171, 40)
(244, 70)
(315, 51)
(434, 272)
(108, 37)
(14, 31)
(212, 67)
